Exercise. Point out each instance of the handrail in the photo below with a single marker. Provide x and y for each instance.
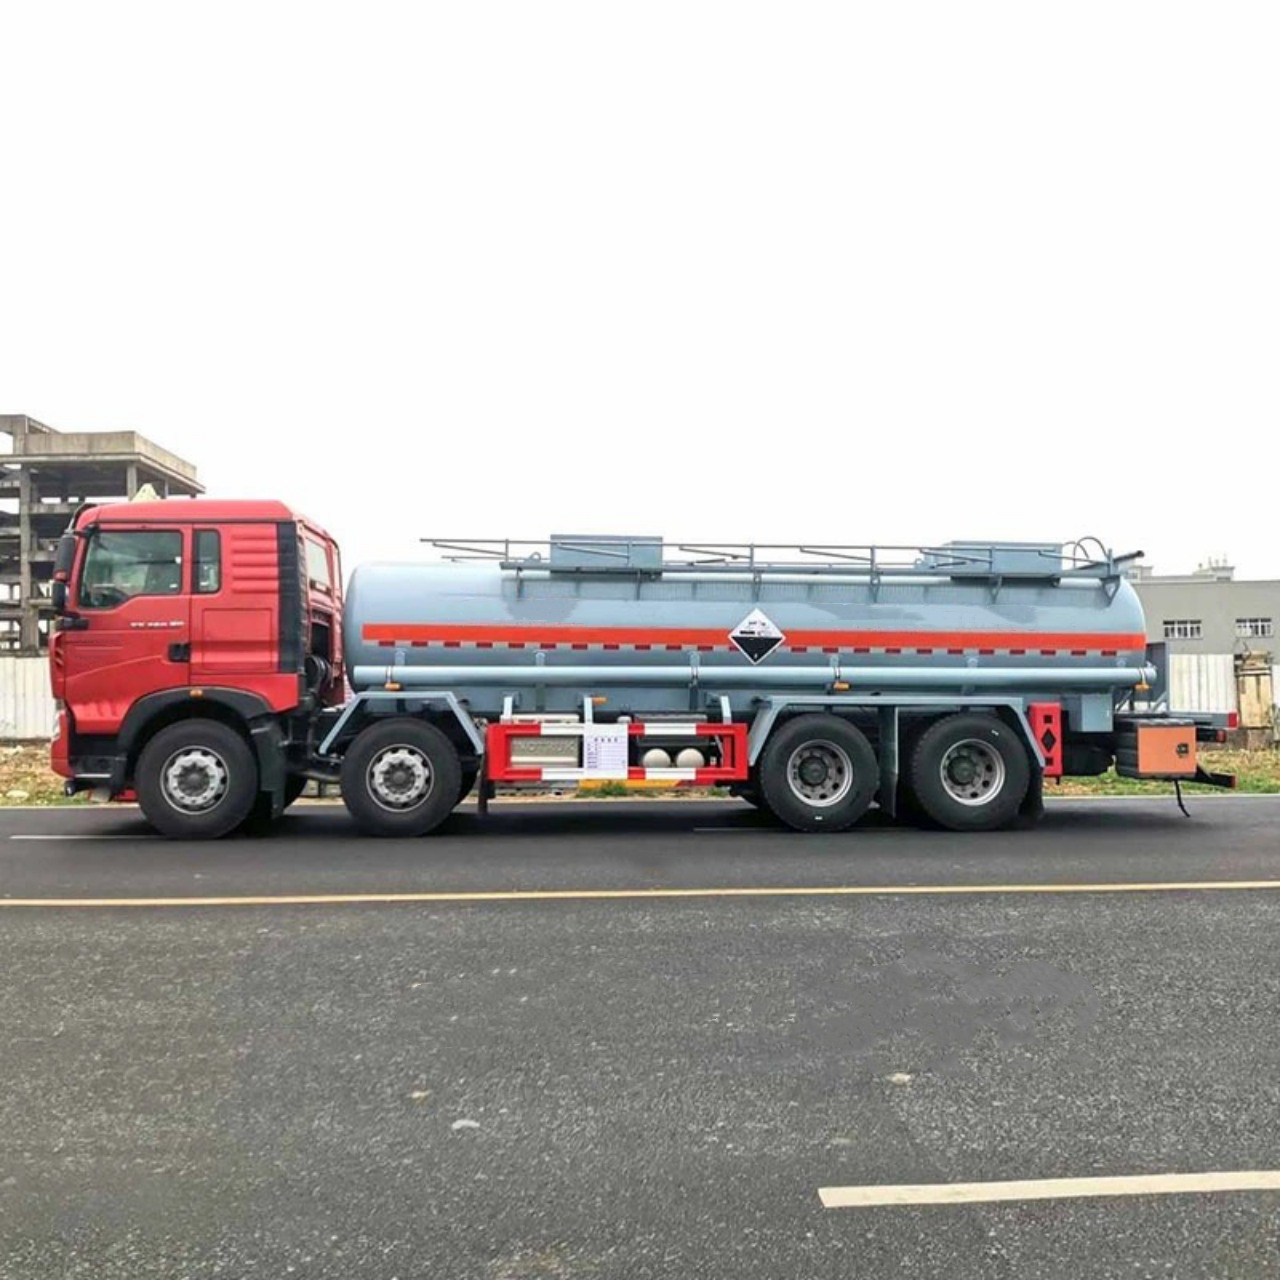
(611, 555)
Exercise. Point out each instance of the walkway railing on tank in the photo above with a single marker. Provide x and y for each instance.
(1084, 558)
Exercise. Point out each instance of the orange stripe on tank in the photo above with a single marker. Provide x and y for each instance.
(533, 633)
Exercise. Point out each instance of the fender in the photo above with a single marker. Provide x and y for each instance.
(255, 711)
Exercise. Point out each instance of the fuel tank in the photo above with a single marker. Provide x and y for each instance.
(657, 628)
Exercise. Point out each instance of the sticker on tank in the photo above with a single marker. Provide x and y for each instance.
(756, 636)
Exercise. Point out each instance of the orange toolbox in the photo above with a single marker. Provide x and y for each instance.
(1164, 750)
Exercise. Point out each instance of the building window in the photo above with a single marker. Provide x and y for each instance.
(1254, 628)
(208, 561)
(1182, 629)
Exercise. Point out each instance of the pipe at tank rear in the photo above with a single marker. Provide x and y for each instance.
(378, 677)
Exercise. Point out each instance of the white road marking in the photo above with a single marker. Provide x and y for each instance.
(1159, 797)
(103, 836)
(312, 805)
(1143, 1184)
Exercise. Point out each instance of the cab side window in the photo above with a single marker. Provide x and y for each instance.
(121, 565)
(318, 566)
(208, 562)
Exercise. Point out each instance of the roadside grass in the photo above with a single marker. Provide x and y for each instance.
(26, 779)
(1257, 772)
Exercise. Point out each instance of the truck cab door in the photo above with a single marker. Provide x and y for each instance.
(234, 605)
(130, 630)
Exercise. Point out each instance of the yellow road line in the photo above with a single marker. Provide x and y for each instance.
(593, 895)
(1049, 1189)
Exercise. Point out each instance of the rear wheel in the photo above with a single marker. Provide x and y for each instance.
(970, 772)
(196, 780)
(467, 784)
(818, 773)
(400, 778)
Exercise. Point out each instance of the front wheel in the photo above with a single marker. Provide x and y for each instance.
(196, 780)
(818, 773)
(400, 777)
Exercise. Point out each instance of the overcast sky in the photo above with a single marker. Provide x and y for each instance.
(847, 272)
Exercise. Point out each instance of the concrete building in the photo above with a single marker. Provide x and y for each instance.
(1208, 611)
(1220, 641)
(45, 476)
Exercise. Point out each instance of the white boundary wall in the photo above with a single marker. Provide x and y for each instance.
(1202, 682)
(1197, 682)
(26, 705)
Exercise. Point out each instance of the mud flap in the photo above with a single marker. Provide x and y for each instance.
(268, 746)
(1032, 808)
(890, 750)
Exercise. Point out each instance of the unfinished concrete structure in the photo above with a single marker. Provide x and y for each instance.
(45, 475)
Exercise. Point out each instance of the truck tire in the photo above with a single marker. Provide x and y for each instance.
(196, 780)
(400, 777)
(467, 784)
(749, 790)
(818, 773)
(969, 772)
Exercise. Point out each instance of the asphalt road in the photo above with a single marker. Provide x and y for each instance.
(636, 1086)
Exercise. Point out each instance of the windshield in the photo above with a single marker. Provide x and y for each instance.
(119, 566)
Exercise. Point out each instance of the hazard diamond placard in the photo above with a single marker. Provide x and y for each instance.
(756, 636)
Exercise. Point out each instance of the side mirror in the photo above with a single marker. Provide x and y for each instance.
(67, 621)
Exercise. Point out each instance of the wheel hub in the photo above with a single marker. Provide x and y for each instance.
(813, 771)
(820, 773)
(400, 778)
(194, 779)
(973, 772)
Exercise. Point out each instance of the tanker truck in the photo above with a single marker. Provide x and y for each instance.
(207, 663)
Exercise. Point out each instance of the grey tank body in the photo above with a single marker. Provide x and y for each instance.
(651, 643)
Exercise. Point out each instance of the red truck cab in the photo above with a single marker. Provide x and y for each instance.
(194, 613)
